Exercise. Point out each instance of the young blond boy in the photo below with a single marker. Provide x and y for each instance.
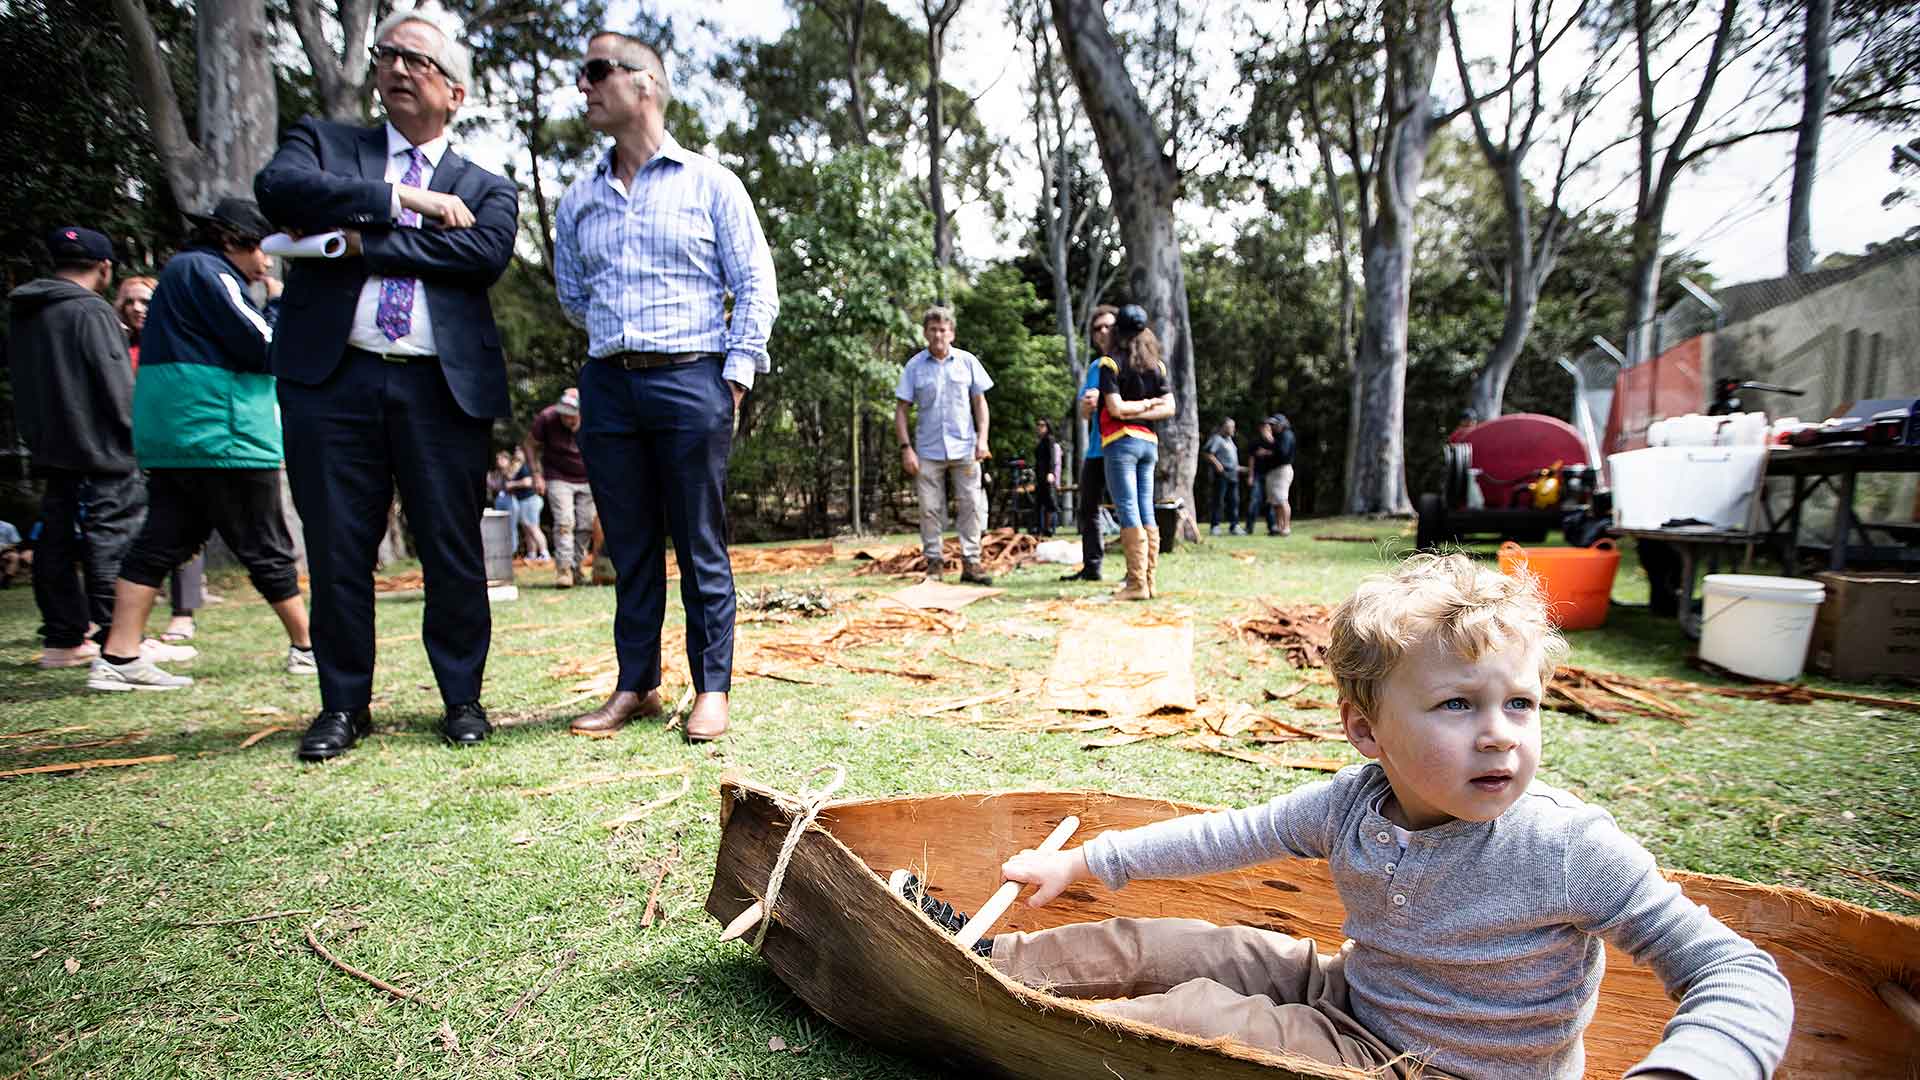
(1477, 899)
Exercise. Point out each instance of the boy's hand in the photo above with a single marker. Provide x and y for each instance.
(1050, 872)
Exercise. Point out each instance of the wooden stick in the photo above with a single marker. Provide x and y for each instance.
(991, 911)
(48, 1056)
(1901, 1001)
(533, 993)
(97, 763)
(403, 995)
(268, 916)
(744, 921)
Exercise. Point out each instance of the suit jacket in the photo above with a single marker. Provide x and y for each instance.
(331, 176)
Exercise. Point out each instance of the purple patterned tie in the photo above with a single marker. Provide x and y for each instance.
(395, 317)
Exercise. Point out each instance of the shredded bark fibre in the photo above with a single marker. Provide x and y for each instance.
(1001, 551)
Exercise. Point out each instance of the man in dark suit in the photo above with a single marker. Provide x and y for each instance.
(390, 370)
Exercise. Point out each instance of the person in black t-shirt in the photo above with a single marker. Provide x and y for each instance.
(1280, 477)
(1261, 455)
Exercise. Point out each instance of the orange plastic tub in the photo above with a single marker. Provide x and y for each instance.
(1578, 581)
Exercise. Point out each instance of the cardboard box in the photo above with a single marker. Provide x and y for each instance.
(1868, 627)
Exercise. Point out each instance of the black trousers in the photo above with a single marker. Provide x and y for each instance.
(1046, 508)
(370, 426)
(656, 443)
(86, 519)
(1093, 492)
(185, 506)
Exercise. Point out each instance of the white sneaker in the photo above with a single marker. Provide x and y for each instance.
(301, 662)
(156, 651)
(138, 675)
(1213, 530)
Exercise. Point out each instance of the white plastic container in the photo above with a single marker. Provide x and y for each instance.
(1758, 626)
(1698, 429)
(1711, 484)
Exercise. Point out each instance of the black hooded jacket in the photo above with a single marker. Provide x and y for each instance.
(72, 378)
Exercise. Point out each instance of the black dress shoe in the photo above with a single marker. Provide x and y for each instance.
(1085, 573)
(333, 733)
(465, 724)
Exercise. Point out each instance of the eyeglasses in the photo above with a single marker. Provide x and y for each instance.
(597, 69)
(391, 56)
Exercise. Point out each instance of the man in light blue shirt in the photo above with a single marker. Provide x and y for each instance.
(647, 248)
(947, 387)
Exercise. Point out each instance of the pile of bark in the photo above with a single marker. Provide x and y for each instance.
(1302, 631)
(1001, 551)
(776, 560)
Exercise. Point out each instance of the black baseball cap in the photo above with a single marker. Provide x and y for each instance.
(71, 243)
(243, 216)
(1128, 321)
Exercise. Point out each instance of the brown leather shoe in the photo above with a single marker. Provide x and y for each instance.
(708, 719)
(623, 706)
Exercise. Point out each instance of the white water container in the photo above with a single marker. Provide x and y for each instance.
(1758, 626)
(1711, 484)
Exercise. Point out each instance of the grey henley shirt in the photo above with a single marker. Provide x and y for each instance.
(1481, 944)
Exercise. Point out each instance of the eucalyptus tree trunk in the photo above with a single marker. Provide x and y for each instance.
(1806, 150)
(1661, 165)
(1377, 483)
(939, 18)
(341, 80)
(1145, 183)
(237, 103)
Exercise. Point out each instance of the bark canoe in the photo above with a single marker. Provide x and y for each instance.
(868, 961)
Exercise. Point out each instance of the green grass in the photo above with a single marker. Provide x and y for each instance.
(429, 866)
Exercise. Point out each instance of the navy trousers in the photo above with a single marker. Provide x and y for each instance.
(656, 443)
(371, 425)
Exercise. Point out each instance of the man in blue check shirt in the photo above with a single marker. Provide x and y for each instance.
(947, 387)
(647, 248)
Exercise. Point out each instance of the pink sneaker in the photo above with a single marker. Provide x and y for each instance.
(81, 655)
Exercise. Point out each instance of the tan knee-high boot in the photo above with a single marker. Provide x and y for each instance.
(1133, 542)
(1153, 560)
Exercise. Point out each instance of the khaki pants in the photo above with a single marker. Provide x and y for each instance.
(1279, 485)
(970, 504)
(1250, 985)
(573, 517)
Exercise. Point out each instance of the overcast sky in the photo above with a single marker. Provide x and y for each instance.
(1732, 211)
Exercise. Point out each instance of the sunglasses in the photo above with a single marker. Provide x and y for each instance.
(392, 56)
(597, 69)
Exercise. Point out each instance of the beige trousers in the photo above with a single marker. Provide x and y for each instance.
(970, 504)
(573, 517)
(1250, 985)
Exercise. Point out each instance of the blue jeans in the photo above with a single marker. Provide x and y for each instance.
(1130, 462)
(1226, 490)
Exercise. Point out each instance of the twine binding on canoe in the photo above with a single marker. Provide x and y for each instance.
(802, 809)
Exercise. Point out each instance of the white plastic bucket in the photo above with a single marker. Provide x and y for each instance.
(1758, 626)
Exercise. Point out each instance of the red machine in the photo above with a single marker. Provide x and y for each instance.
(1512, 477)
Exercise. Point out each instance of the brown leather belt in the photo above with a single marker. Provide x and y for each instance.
(637, 361)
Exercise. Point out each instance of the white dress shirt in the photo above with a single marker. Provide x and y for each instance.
(366, 334)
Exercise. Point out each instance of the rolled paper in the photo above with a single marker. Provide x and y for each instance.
(327, 245)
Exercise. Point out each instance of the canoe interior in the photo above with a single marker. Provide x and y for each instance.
(909, 986)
